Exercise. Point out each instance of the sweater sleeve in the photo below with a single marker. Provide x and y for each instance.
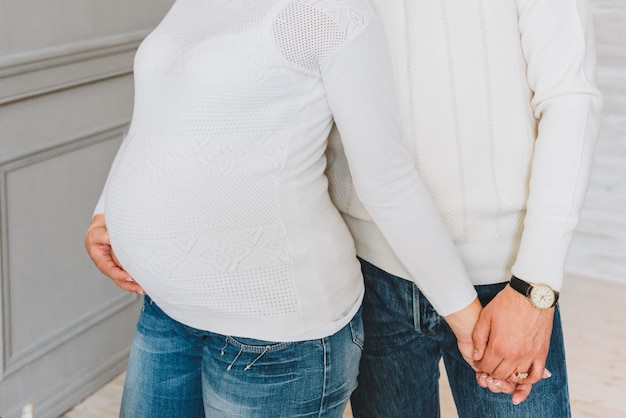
(558, 45)
(359, 91)
(99, 210)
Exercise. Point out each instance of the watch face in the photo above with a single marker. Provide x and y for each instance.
(542, 296)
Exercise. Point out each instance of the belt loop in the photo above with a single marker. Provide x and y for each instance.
(416, 307)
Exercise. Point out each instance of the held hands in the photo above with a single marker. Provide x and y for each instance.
(99, 249)
(512, 336)
(462, 324)
(506, 337)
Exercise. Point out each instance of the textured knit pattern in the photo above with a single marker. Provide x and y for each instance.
(500, 113)
(217, 202)
(193, 203)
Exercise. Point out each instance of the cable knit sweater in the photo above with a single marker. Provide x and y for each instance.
(500, 112)
(217, 202)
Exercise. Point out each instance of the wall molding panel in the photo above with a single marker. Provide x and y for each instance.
(31, 74)
(70, 331)
(13, 359)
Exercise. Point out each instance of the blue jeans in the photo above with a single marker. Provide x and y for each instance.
(405, 340)
(178, 371)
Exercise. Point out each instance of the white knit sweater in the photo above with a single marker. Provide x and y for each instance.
(217, 203)
(500, 112)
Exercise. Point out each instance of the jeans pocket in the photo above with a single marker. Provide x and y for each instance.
(356, 329)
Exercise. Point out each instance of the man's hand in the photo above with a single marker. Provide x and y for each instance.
(513, 336)
(99, 249)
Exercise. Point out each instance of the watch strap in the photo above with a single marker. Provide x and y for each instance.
(521, 286)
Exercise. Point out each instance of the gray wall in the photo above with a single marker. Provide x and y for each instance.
(65, 103)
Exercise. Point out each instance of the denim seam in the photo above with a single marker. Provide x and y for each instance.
(325, 384)
(257, 348)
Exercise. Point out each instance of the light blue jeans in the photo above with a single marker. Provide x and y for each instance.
(405, 340)
(178, 371)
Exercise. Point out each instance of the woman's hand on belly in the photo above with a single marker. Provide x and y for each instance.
(99, 249)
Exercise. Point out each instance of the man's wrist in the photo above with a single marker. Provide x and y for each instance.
(540, 296)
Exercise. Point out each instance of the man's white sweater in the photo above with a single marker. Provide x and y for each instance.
(500, 113)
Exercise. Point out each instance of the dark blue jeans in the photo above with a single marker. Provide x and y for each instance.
(178, 371)
(404, 341)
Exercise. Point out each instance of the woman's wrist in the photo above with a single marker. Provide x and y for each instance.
(462, 322)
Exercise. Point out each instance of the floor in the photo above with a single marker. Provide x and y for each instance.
(593, 300)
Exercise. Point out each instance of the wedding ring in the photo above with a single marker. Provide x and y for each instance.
(521, 375)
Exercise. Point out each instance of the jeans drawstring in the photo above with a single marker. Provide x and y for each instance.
(249, 366)
(230, 366)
